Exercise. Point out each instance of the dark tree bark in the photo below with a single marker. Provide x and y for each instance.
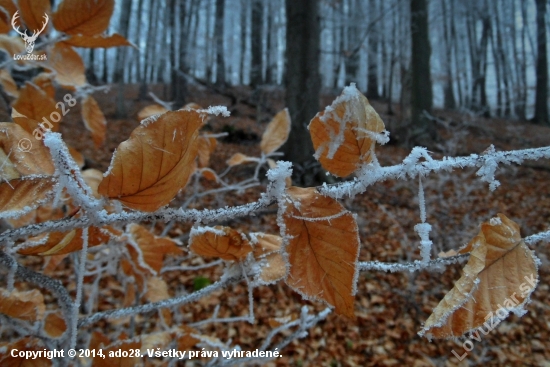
(244, 24)
(220, 61)
(302, 78)
(422, 130)
(178, 87)
(120, 61)
(256, 67)
(541, 99)
(372, 78)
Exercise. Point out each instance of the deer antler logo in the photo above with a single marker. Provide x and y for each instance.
(29, 40)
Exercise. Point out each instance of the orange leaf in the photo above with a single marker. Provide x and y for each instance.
(155, 163)
(499, 277)
(152, 109)
(86, 17)
(223, 242)
(44, 82)
(94, 120)
(239, 158)
(14, 141)
(340, 133)
(32, 12)
(34, 105)
(323, 249)
(153, 248)
(206, 147)
(59, 243)
(27, 305)
(54, 325)
(102, 41)
(209, 174)
(19, 196)
(68, 65)
(276, 132)
(8, 83)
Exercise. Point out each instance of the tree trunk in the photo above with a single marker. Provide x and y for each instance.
(302, 78)
(256, 67)
(244, 24)
(220, 61)
(178, 81)
(422, 130)
(541, 98)
(372, 77)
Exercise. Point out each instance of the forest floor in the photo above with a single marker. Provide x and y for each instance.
(390, 307)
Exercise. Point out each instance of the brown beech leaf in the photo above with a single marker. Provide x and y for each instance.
(8, 83)
(59, 243)
(7, 168)
(68, 65)
(276, 132)
(100, 41)
(34, 161)
(32, 12)
(5, 18)
(268, 247)
(152, 109)
(25, 344)
(206, 147)
(54, 325)
(93, 177)
(12, 45)
(340, 133)
(86, 17)
(323, 248)
(209, 174)
(223, 242)
(157, 290)
(45, 82)
(239, 158)
(24, 305)
(94, 120)
(19, 196)
(499, 277)
(155, 163)
(153, 248)
(34, 104)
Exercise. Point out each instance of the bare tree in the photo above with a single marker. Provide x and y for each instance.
(220, 61)
(541, 99)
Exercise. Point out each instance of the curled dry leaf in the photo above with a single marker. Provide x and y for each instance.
(239, 158)
(100, 41)
(155, 163)
(209, 174)
(8, 83)
(23, 305)
(32, 12)
(323, 248)
(276, 132)
(153, 248)
(86, 17)
(68, 65)
(152, 109)
(268, 247)
(499, 277)
(20, 196)
(54, 325)
(207, 145)
(222, 242)
(59, 243)
(94, 120)
(341, 134)
(34, 161)
(32, 106)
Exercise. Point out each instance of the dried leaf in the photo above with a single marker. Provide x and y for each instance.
(94, 120)
(340, 133)
(32, 107)
(23, 305)
(44, 81)
(8, 83)
(20, 196)
(239, 158)
(207, 145)
(12, 45)
(499, 277)
(93, 177)
(54, 325)
(86, 17)
(209, 174)
(153, 248)
(323, 248)
(7, 168)
(157, 290)
(59, 243)
(35, 160)
(155, 163)
(276, 132)
(32, 12)
(68, 65)
(5, 17)
(100, 41)
(223, 242)
(152, 109)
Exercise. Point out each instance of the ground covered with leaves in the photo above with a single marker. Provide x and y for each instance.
(390, 307)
